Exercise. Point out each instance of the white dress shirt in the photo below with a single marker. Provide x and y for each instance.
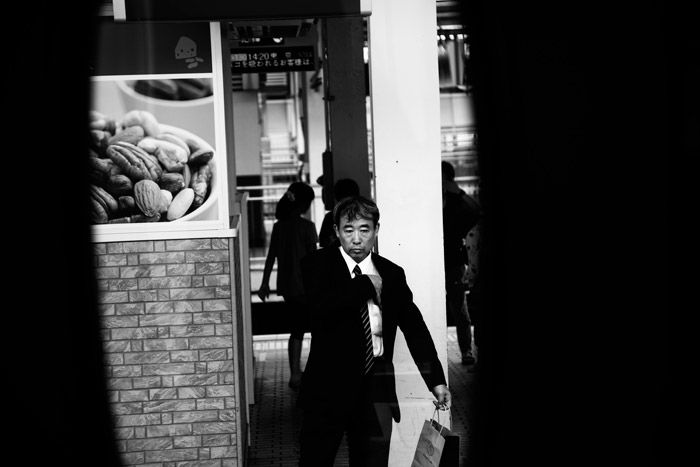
(375, 313)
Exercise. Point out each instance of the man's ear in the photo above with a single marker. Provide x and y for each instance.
(335, 229)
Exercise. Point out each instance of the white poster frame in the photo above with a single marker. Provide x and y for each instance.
(215, 228)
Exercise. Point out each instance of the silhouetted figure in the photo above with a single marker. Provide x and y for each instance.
(460, 213)
(342, 189)
(292, 238)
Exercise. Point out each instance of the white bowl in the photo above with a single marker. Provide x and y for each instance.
(197, 115)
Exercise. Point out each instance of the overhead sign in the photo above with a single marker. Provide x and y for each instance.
(213, 10)
(138, 49)
(271, 59)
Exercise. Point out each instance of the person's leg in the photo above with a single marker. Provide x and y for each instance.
(369, 435)
(467, 358)
(320, 437)
(294, 353)
(475, 310)
(296, 339)
(457, 307)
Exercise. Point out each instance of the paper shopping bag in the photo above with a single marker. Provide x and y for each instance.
(450, 451)
(429, 448)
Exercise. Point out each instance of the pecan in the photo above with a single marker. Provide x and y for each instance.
(97, 212)
(136, 163)
(100, 164)
(200, 157)
(200, 184)
(154, 169)
(106, 200)
(118, 185)
(99, 169)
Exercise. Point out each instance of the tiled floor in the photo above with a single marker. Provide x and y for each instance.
(274, 418)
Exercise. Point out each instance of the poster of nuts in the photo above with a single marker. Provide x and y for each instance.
(142, 169)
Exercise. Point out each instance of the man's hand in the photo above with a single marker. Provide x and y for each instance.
(377, 283)
(443, 396)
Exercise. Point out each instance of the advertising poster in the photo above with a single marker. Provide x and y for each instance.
(158, 149)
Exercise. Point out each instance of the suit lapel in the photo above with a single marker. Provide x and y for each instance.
(338, 265)
(382, 268)
(380, 265)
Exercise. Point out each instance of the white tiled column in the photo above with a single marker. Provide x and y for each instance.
(406, 122)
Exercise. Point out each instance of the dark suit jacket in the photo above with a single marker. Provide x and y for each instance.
(332, 376)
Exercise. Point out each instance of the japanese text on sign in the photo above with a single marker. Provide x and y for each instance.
(253, 60)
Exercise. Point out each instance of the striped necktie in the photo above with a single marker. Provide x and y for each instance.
(368, 354)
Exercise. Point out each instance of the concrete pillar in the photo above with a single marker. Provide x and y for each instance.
(246, 123)
(406, 122)
(248, 163)
(316, 143)
(347, 110)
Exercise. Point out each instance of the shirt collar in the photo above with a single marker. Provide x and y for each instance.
(365, 264)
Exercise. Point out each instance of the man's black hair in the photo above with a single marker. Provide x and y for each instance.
(355, 207)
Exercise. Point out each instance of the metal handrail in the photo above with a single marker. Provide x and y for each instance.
(467, 178)
(270, 187)
(263, 198)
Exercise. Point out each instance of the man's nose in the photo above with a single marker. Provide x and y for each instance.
(356, 237)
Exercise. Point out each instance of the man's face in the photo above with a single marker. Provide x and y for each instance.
(357, 237)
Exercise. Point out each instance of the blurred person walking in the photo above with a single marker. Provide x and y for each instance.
(460, 213)
(293, 237)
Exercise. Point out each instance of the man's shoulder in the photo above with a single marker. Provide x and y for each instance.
(385, 265)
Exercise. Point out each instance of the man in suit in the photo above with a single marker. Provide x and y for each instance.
(358, 299)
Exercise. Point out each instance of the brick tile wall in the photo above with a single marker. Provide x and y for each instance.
(167, 329)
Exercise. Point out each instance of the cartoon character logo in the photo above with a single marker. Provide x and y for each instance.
(186, 49)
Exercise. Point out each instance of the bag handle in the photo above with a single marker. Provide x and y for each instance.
(438, 419)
